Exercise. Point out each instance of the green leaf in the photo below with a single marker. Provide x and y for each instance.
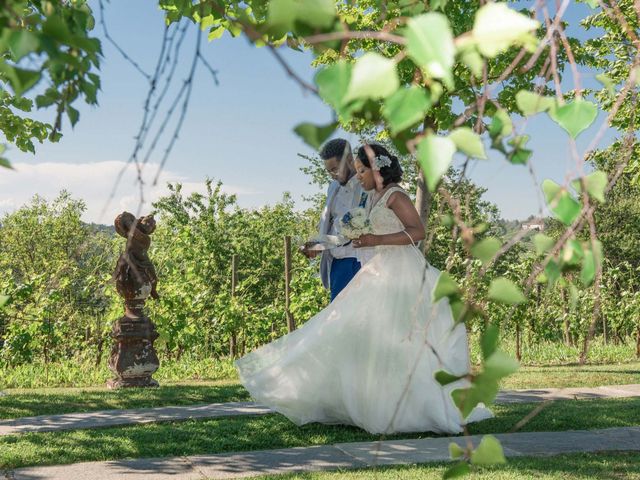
(499, 365)
(445, 378)
(489, 340)
(486, 249)
(373, 76)
(489, 452)
(543, 243)
(531, 103)
(504, 290)
(216, 33)
(607, 83)
(5, 163)
(4, 299)
(575, 117)
(57, 28)
(20, 79)
(315, 135)
(562, 204)
(472, 59)
(483, 390)
(455, 450)
(317, 13)
(592, 3)
(405, 108)
(280, 17)
(468, 142)
(501, 124)
(435, 155)
(333, 82)
(458, 470)
(22, 42)
(596, 184)
(430, 45)
(572, 253)
(73, 114)
(497, 27)
(590, 264)
(445, 287)
(438, 4)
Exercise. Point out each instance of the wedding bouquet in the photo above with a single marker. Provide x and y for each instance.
(354, 223)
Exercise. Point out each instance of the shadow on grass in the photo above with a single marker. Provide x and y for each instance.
(16, 405)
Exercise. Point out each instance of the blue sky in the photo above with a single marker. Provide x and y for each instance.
(239, 132)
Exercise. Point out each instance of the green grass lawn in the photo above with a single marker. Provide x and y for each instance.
(274, 431)
(610, 466)
(49, 401)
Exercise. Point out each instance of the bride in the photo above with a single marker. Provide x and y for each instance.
(369, 358)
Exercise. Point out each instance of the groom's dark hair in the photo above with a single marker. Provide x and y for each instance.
(391, 173)
(334, 148)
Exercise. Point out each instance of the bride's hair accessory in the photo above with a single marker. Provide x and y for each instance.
(382, 161)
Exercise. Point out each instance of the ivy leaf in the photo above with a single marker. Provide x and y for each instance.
(483, 389)
(20, 79)
(333, 82)
(445, 287)
(590, 264)
(216, 33)
(607, 83)
(499, 365)
(542, 242)
(458, 470)
(596, 184)
(519, 155)
(455, 450)
(501, 124)
(468, 142)
(22, 42)
(405, 108)
(489, 340)
(531, 103)
(504, 290)
(315, 135)
(445, 378)
(486, 249)
(280, 17)
(435, 155)
(73, 114)
(488, 452)
(575, 117)
(373, 76)
(562, 204)
(316, 13)
(497, 27)
(472, 59)
(430, 45)
(5, 163)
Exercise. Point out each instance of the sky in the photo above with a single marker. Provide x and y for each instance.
(239, 131)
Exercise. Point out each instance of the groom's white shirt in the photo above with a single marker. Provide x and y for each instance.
(340, 199)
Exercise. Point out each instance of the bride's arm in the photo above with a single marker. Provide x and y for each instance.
(408, 215)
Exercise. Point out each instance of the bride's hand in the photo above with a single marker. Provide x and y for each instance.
(367, 240)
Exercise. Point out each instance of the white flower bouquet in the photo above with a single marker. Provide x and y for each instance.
(354, 223)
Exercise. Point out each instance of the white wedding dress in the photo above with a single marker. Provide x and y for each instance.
(369, 358)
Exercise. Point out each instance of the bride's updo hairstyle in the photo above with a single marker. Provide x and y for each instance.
(390, 173)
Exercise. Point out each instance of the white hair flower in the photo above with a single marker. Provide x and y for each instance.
(382, 161)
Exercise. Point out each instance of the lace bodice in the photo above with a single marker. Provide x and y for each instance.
(382, 218)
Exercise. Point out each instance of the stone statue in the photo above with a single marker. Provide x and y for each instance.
(133, 358)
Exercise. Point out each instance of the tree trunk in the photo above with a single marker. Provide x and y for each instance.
(638, 343)
(518, 342)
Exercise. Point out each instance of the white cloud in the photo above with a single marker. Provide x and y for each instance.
(94, 183)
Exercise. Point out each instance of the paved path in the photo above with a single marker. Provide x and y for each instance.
(331, 457)
(111, 418)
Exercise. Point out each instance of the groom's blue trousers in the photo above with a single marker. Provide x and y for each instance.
(342, 271)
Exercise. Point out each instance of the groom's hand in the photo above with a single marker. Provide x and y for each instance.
(309, 253)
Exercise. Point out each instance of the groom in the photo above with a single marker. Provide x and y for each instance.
(340, 264)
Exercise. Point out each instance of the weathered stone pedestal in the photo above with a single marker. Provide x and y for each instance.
(133, 358)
